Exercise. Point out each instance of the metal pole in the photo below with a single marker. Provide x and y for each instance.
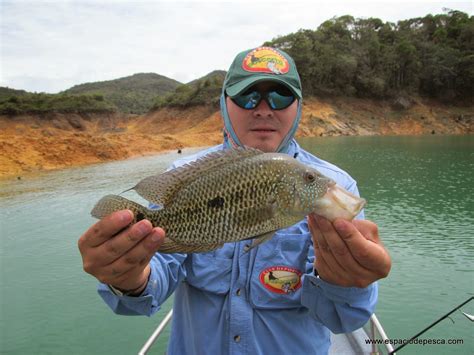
(156, 334)
(375, 321)
(373, 334)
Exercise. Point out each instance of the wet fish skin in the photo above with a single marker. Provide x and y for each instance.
(229, 196)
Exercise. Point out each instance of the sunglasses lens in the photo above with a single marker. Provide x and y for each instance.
(280, 98)
(248, 100)
(277, 98)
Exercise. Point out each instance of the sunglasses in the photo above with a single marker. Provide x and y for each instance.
(277, 98)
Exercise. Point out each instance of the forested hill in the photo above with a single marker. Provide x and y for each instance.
(431, 56)
(131, 94)
(6, 93)
(428, 56)
(203, 91)
(216, 75)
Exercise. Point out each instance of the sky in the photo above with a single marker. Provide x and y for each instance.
(50, 46)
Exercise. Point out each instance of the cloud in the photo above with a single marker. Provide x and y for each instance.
(51, 46)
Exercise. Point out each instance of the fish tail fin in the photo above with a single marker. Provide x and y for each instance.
(113, 203)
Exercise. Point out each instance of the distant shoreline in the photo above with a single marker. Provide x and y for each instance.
(33, 173)
(31, 144)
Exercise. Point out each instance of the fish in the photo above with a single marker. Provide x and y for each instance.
(233, 195)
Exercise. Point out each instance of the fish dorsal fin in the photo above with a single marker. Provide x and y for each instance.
(161, 188)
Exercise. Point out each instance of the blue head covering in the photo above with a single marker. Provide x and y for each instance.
(257, 65)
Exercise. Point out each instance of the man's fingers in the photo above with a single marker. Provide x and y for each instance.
(327, 263)
(369, 254)
(119, 245)
(105, 229)
(337, 254)
(120, 272)
(316, 232)
(347, 270)
(320, 265)
(348, 253)
(140, 255)
(331, 237)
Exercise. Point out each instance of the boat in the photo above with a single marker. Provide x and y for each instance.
(360, 341)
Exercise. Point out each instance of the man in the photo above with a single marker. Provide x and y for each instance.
(280, 297)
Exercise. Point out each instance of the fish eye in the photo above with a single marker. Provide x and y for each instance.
(309, 177)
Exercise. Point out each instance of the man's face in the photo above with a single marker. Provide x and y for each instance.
(261, 127)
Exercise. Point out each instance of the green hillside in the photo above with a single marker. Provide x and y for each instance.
(131, 94)
(33, 103)
(6, 93)
(203, 91)
(216, 75)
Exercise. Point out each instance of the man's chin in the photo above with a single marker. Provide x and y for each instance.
(267, 147)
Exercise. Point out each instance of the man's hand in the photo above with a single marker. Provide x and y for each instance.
(118, 254)
(348, 253)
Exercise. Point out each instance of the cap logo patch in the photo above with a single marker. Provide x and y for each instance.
(281, 279)
(266, 60)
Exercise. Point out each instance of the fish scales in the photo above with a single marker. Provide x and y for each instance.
(230, 196)
(235, 210)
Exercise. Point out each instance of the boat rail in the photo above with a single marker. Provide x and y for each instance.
(376, 330)
(151, 340)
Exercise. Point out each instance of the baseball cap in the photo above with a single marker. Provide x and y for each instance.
(261, 64)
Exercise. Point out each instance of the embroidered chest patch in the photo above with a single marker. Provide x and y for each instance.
(281, 279)
(266, 60)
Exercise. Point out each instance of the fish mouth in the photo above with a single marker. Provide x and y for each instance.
(337, 202)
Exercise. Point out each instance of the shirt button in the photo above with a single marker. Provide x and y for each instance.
(238, 292)
(246, 247)
(237, 338)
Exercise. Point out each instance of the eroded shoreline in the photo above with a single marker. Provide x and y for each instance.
(30, 144)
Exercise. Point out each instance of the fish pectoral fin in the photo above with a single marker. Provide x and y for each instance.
(170, 246)
(260, 214)
(269, 210)
(261, 239)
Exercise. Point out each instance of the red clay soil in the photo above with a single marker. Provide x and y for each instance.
(33, 143)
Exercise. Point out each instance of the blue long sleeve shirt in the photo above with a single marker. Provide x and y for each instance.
(264, 301)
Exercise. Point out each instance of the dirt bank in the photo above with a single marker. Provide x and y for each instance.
(33, 143)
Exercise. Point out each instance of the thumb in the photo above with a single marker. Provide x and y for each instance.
(368, 229)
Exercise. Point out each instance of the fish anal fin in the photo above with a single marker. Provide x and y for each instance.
(260, 239)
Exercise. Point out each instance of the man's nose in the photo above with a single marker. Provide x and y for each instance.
(263, 110)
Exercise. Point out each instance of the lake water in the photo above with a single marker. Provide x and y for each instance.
(419, 191)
